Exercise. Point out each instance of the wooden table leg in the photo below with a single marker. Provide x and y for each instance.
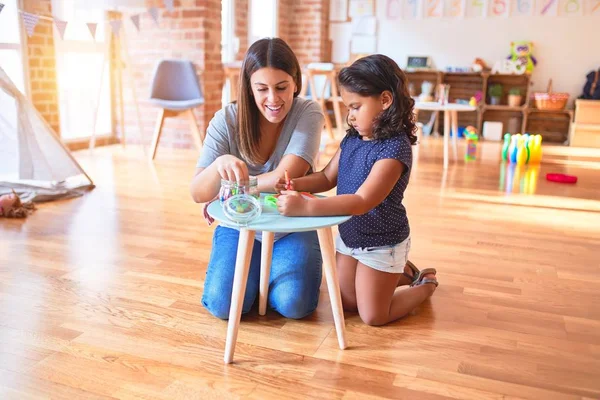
(446, 136)
(333, 285)
(266, 256)
(454, 115)
(242, 266)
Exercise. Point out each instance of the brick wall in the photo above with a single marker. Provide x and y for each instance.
(241, 27)
(191, 31)
(285, 13)
(42, 63)
(308, 33)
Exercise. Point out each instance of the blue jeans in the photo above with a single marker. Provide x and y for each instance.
(295, 274)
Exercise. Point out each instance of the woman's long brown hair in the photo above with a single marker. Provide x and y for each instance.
(268, 52)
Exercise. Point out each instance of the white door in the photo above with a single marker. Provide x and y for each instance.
(79, 62)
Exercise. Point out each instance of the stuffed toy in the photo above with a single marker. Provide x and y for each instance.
(11, 206)
(521, 53)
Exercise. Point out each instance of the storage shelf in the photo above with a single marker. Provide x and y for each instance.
(537, 110)
(552, 125)
(503, 108)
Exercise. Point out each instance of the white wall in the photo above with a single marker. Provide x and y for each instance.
(566, 48)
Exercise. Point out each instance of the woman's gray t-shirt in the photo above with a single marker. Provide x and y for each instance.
(300, 136)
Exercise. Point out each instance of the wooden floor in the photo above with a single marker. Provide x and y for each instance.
(100, 295)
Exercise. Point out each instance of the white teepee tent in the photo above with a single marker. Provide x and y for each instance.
(32, 157)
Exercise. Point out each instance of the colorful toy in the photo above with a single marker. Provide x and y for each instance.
(472, 137)
(271, 200)
(476, 99)
(561, 178)
(521, 53)
(11, 206)
(522, 149)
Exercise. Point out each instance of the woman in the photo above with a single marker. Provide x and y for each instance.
(268, 131)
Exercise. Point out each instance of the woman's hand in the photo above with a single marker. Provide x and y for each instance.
(282, 185)
(232, 168)
(292, 204)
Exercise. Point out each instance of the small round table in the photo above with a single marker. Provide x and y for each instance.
(270, 222)
(451, 111)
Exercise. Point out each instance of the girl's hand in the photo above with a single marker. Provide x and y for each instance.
(232, 168)
(292, 204)
(281, 185)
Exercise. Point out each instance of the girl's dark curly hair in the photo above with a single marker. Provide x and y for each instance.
(371, 76)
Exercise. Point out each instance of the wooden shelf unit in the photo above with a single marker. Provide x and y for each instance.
(552, 125)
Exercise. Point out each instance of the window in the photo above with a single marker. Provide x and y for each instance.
(79, 66)
(263, 19)
(11, 61)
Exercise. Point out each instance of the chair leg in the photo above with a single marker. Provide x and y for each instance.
(157, 132)
(333, 285)
(265, 270)
(240, 278)
(328, 125)
(196, 134)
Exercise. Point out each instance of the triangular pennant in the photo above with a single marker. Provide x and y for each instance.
(30, 21)
(92, 27)
(115, 24)
(136, 21)
(169, 5)
(1, 7)
(153, 11)
(60, 26)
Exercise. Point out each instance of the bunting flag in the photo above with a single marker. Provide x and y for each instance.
(61, 26)
(1, 7)
(115, 24)
(169, 5)
(136, 21)
(92, 28)
(153, 11)
(30, 21)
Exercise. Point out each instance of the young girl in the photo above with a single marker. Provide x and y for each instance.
(371, 170)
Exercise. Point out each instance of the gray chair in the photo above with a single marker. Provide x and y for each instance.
(175, 89)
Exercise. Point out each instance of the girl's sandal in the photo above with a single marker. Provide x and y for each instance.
(415, 272)
(421, 280)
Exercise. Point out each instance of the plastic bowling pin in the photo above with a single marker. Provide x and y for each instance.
(521, 151)
(536, 150)
(512, 149)
(505, 147)
(529, 146)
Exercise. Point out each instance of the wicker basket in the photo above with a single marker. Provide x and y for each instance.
(550, 100)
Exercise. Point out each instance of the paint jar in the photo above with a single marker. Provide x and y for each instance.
(233, 188)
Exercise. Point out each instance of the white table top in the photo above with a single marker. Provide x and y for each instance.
(271, 221)
(435, 106)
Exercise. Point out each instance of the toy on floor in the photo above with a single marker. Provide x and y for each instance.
(470, 133)
(561, 178)
(11, 206)
(522, 149)
(242, 208)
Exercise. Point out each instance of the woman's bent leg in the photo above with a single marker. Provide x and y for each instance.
(296, 273)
